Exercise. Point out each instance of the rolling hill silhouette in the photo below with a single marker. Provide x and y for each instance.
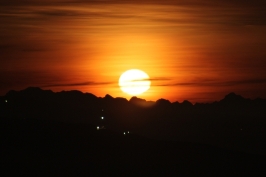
(56, 133)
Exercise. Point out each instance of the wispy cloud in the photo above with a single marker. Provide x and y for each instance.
(206, 83)
(214, 83)
(93, 83)
(78, 84)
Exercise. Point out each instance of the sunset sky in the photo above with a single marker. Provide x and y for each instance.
(191, 49)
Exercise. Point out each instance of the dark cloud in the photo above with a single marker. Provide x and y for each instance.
(58, 12)
(216, 83)
(238, 3)
(160, 79)
(28, 2)
(174, 2)
(208, 83)
(91, 83)
(248, 81)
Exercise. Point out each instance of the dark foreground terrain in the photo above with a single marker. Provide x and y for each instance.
(50, 148)
(44, 133)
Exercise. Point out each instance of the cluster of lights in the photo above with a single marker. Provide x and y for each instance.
(126, 132)
(102, 127)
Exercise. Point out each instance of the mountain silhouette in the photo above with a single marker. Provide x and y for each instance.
(233, 98)
(71, 122)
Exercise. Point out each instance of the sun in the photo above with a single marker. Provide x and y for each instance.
(134, 82)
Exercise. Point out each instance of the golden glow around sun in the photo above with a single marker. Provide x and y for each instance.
(134, 82)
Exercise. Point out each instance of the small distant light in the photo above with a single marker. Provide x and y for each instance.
(102, 117)
(127, 131)
(6, 101)
(124, 133)
(98, 127)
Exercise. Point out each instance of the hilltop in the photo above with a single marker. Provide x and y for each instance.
(47, 133)
(233, 122)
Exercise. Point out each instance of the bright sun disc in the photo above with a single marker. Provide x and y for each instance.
(134, 82)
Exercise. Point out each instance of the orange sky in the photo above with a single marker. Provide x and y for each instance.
(193, 51)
